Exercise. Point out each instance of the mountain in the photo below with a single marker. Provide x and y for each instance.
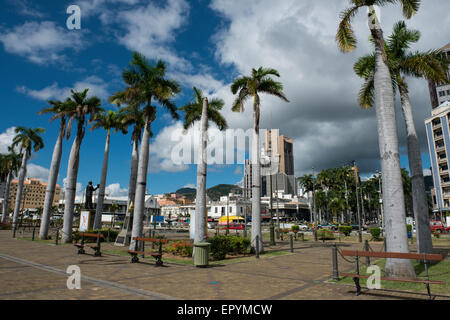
(214, 193)
(185, 191)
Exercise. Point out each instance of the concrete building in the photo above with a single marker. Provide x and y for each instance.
(440, 93)
(437, 128)
(278, 149)
(233, 205)
(33, 194)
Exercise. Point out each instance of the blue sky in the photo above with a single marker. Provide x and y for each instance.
(206, 44)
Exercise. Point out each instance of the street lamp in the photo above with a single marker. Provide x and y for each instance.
(381, 202)
(314, 206)
(357, 202)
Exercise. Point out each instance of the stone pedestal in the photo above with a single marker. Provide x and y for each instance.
(124, 237)
(87, 217)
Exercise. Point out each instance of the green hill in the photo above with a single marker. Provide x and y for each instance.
(214, 193)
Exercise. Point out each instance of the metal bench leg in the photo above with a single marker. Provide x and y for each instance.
(358, 287)
(81, 251)
(134, 258)
(97, 253)
(159, 262)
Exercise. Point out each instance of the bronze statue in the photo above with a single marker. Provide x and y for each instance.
(89, 193)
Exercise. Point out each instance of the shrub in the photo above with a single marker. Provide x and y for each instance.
(238, 245)
(112, 235)
(220, 246)
(295, 228)
(5, 226)
(324, 234)
(408, 228)
(346, 230)
(375, 232)
(181, 248)
(436, 234)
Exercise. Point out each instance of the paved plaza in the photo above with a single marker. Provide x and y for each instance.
(37, 270)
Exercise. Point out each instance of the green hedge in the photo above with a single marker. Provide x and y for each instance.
(375, 232)
(112, 235)
(295, 228)
(324, 234)
(5, 226)
(221, 245)
(346, 230)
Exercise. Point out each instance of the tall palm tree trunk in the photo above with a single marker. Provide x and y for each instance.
(133, 173)
(200, 200)
(22, 173)
(51, 186)
(71, 188)
(256, 181)
(393, 198)
(6, 197)
(101, 192)
(420, 203)
(139, 205)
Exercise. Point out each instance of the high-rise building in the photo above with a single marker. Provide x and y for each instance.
(280, 149)
(439, 93)
(437, 127)
(33, 194)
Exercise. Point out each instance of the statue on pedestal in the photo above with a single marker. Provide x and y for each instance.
(89, 193)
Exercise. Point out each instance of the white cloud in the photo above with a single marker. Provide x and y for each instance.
(38, 172)
(151, 29)
(41, 42)
(6, 139)
(97, 87)
(298, 39)
(114, 190)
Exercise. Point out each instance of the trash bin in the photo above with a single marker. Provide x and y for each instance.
(201, 254)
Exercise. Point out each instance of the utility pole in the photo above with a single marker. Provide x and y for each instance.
(357, 202)
(272, 226)
(228, 218)
(276, 194)
(314, 206)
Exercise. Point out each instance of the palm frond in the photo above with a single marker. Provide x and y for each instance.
(345, 36)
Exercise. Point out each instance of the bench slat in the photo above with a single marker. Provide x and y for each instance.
(150, 239)
(394, 255)
(92, 235)
(352, 275)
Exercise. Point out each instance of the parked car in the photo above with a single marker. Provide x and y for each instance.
(235, 226)
(436, 225)
(303, 227)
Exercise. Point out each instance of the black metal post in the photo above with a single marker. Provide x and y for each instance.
(108, 234)
(335, 262)
(292, 243)
(14, 230)
(32, 235)
(57, 236)
(366, 248)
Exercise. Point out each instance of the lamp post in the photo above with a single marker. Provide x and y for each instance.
(228, 218)
(357, 203)
(272, 226)
(314, 206)
(381, 202)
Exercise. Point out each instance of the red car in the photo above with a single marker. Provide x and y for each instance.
(236, 226)
(436, 225)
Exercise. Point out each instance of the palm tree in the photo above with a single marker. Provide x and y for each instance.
(131, 115)
(106, 121)
(80, 108)
(145, 83)
(396, 235)
(246, 87)
(58, 109)
(10, 165)
(28, 140)
(432, 65)
(202, 110)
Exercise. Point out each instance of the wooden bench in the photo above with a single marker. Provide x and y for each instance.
(425, 258)
(95, 247)
(155, 254)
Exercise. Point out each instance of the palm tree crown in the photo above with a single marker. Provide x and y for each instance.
(28, 139)
(345, 36)
(193, 111)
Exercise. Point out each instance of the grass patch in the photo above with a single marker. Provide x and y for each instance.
(436, 271)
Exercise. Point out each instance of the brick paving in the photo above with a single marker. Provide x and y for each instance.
(36, 270)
